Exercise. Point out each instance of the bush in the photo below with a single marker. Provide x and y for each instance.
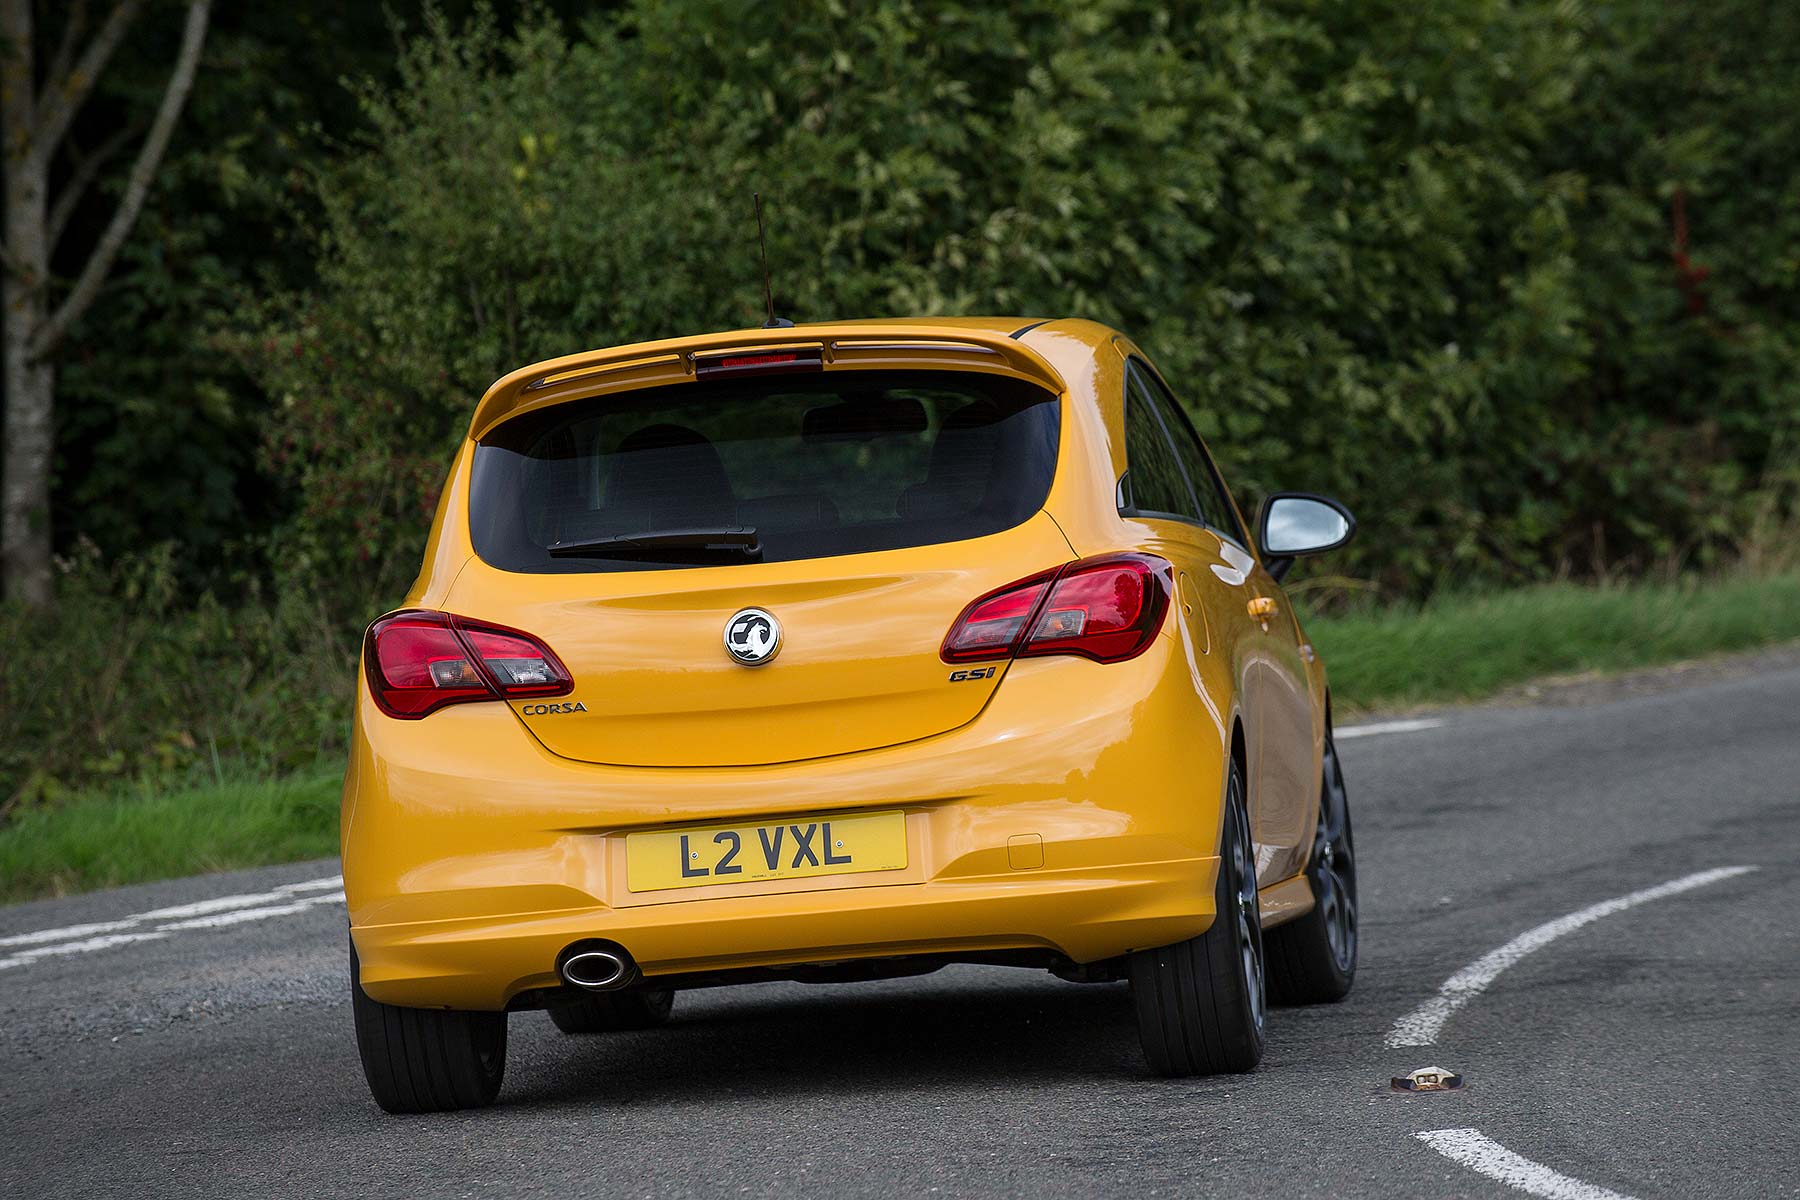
(1422, 256)
(125, 680)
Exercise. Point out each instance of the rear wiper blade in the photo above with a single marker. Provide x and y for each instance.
(737, 541)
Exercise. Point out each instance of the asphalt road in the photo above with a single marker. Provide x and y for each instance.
(1648, 1051)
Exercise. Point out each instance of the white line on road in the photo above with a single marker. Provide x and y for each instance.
(216, 913)
(104, 942)
(1356, 731)
(108, 941)
(220, 920)
(217, 904)
(1478, 1152)
(1421, 1026)
(223, 903)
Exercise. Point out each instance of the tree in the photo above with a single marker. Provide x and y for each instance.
(34, 125)
(1416, 255)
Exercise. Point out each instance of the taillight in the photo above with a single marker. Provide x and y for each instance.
(419, 660)
(1107, 609)
(990, 627)
(417, 664)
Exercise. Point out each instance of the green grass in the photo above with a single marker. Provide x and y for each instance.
(1466, 647)
(1457, 648)
(110, 838)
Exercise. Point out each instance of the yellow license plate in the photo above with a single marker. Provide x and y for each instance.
(798, 849)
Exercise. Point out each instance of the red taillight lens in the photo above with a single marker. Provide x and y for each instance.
(418, 661)
(990, 628)
(416, 665)
(1107, 609)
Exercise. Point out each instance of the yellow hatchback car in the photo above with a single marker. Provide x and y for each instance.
(841, 652)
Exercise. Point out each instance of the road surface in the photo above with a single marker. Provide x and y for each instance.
(1587, 909)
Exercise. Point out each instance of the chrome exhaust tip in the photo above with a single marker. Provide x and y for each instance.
(596, 969)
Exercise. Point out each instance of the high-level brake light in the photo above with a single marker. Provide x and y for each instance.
(758, 362)
(419, 660)
(1108, 609)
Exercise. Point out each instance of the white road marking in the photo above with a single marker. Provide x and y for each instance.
(218, 912)
(64, 934)
(1421, 1026)
(1478, 1152)
(240, 917)
(217, 904)
(106, 942)
(222, 903)
(1356, 731)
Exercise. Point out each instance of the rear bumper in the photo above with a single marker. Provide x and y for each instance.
(1087, 915)
(473, 857)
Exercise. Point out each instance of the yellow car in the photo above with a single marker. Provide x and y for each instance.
(840, 652)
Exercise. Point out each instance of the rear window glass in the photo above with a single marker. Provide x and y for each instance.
(780, 468)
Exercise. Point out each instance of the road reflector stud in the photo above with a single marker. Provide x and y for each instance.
(1428, 1079)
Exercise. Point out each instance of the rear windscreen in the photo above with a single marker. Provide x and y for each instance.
(764, 469)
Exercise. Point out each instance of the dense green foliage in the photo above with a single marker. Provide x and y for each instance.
(1518, 281)
(127, 679)
(159, 429)
(1418, 255)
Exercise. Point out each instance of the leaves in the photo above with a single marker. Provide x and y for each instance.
(1416, 255)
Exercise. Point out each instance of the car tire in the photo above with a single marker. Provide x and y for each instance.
(1200, 1003)
(1312, 960)
(607, 1012)
(421, 1060)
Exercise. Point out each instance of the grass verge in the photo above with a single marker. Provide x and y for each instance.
(105, 839)
(1467, 647)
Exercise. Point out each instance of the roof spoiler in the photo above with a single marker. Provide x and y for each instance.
(649, 364)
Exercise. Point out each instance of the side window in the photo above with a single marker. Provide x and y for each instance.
(1214, 506)
(1155, 481)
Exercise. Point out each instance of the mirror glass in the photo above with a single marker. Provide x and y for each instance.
(1297, 525)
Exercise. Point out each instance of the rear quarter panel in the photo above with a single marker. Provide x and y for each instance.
(1231, 647)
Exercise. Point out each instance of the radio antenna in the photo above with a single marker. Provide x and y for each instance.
(774, 322)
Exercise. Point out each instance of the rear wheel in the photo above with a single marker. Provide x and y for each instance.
(604, 1012)
(427, 1059)
(1200, 1005)
(1312, 960)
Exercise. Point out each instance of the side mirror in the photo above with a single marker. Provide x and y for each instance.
(1295, 523)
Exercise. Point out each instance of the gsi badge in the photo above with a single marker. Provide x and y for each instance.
(753, 636)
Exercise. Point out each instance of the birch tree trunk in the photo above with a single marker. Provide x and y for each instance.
(25, 498)
(33, 124)
(25, 518)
